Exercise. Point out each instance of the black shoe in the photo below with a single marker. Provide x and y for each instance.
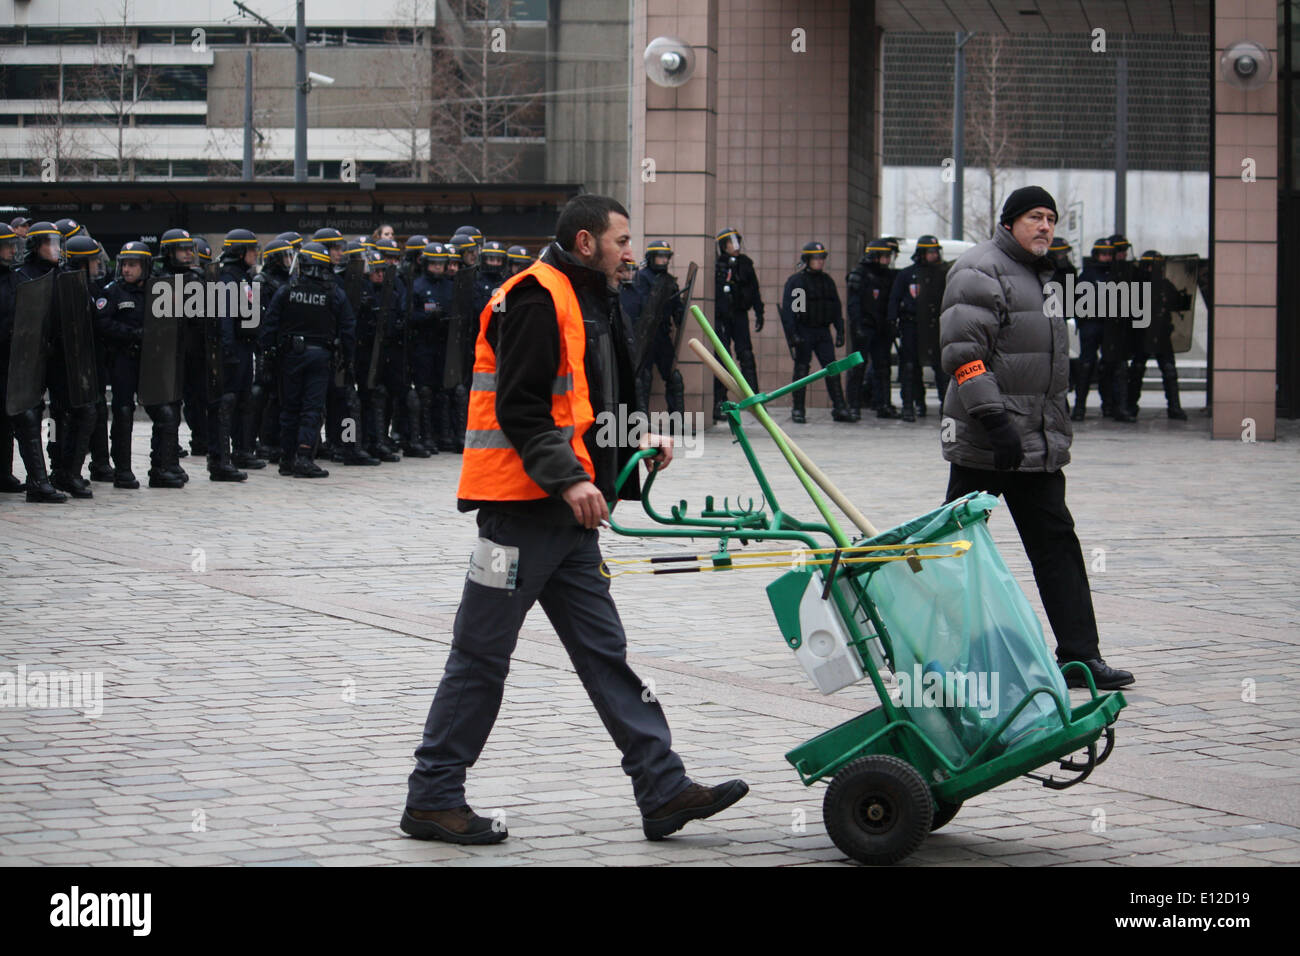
(242, 459)
(74, 485)
(908, 414)
(11, 486)
(461, 825)
(920, 409)
(797, 416)
(272, 455)
(887, 411)
(717, 412)
(855, 414)
(1078, 413)
(176, 471)
(1122, 415)
(382, 454)
(101, 472)
(286, 467)
(305, 467)
(841, 415)
(125, 479)
(358, 457)
(181, 452)
(412, 450)
(1103, 675)
(1177, 414)
(225, 472)
(44, 493)
(165, 479)
(693, 803)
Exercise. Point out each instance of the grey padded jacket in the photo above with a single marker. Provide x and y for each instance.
(993, 315)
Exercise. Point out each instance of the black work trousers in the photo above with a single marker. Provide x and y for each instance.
(1036, 500)
(558, 567)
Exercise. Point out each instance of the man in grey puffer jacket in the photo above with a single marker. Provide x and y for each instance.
(1006, 423)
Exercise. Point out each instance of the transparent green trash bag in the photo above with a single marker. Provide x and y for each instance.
(968, 648)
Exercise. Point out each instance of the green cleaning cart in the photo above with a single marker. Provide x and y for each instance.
(969, 696)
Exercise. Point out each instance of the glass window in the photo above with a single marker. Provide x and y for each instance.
(176, 83)
(219, 36)
(171, 119)
(163, 35)
(30, 82)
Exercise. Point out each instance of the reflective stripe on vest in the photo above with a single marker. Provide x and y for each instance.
(491, 469)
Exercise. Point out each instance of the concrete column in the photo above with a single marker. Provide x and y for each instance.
(1245, 231)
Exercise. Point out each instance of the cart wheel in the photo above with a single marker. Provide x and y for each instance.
(877, 809)
(943, 813)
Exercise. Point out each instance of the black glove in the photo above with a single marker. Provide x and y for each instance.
(839, 338)
(1005, 439)
(758, 321)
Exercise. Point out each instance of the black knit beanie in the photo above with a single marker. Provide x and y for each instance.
(1024, 199)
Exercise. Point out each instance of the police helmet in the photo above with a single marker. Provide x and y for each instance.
(202, 249)
(414, 247)
(518, 254)
(1102, 245)
(374, 262)
(811, 251)
(69, 228)
(730, 232)
(494, 256)
(877, 248)
(326, 235)
(354, 249)
(80, 249)
(237, 243)
(471, 231)
(9, 242)
(314, 260)
(40, 233)
(135, 251)
(278, 254)
(387, 249)
(655, 249)
(924, 245)
(433, 252)
(1120, 243)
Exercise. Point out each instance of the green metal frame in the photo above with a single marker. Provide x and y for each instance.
(887, 729)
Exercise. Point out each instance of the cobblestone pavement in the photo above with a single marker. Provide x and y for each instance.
(268, 652)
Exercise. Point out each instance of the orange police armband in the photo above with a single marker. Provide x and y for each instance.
(969, 371)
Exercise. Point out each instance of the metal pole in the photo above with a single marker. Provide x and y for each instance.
(248, 116)
(1121, 142)
(300, 99)
(959, 137)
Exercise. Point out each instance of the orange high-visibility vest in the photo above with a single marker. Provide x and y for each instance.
(491, 469)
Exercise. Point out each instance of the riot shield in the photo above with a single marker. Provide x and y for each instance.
(160, 354)
(1181, 271)
(77, 337)
(930, 283)
(30, 348)
(654, 313)
(458, 331)
(353, 276)
(381, 325)
(691, 271)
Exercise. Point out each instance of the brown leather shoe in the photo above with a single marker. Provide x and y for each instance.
(461, 825)
(693, 803)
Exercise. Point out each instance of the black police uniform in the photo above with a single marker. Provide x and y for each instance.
(1165, 298)
(735, 292)
(263, 423)
(659, 354)
(73, 426)
(303, 324)
(430, 298)
(1091, 333)
(8, 286)
(902, 316)
(240, 368)
(808, 330)
(869, 286)
(119, 322)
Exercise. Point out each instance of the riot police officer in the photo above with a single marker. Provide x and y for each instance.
(869, 285)
(203, 258)
(9, 246)
(83, 252)
(120, 317)
(914, 306)
(735, 291)
(654, 299)
(1097, 335)
(412, 265)
(517, 260)
(1155, 338)
(262, 423)
(65, 366)
(810, 307)
(178, 255)
(430, 297)
(376, 322)
(238, 257)
(307, 320)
